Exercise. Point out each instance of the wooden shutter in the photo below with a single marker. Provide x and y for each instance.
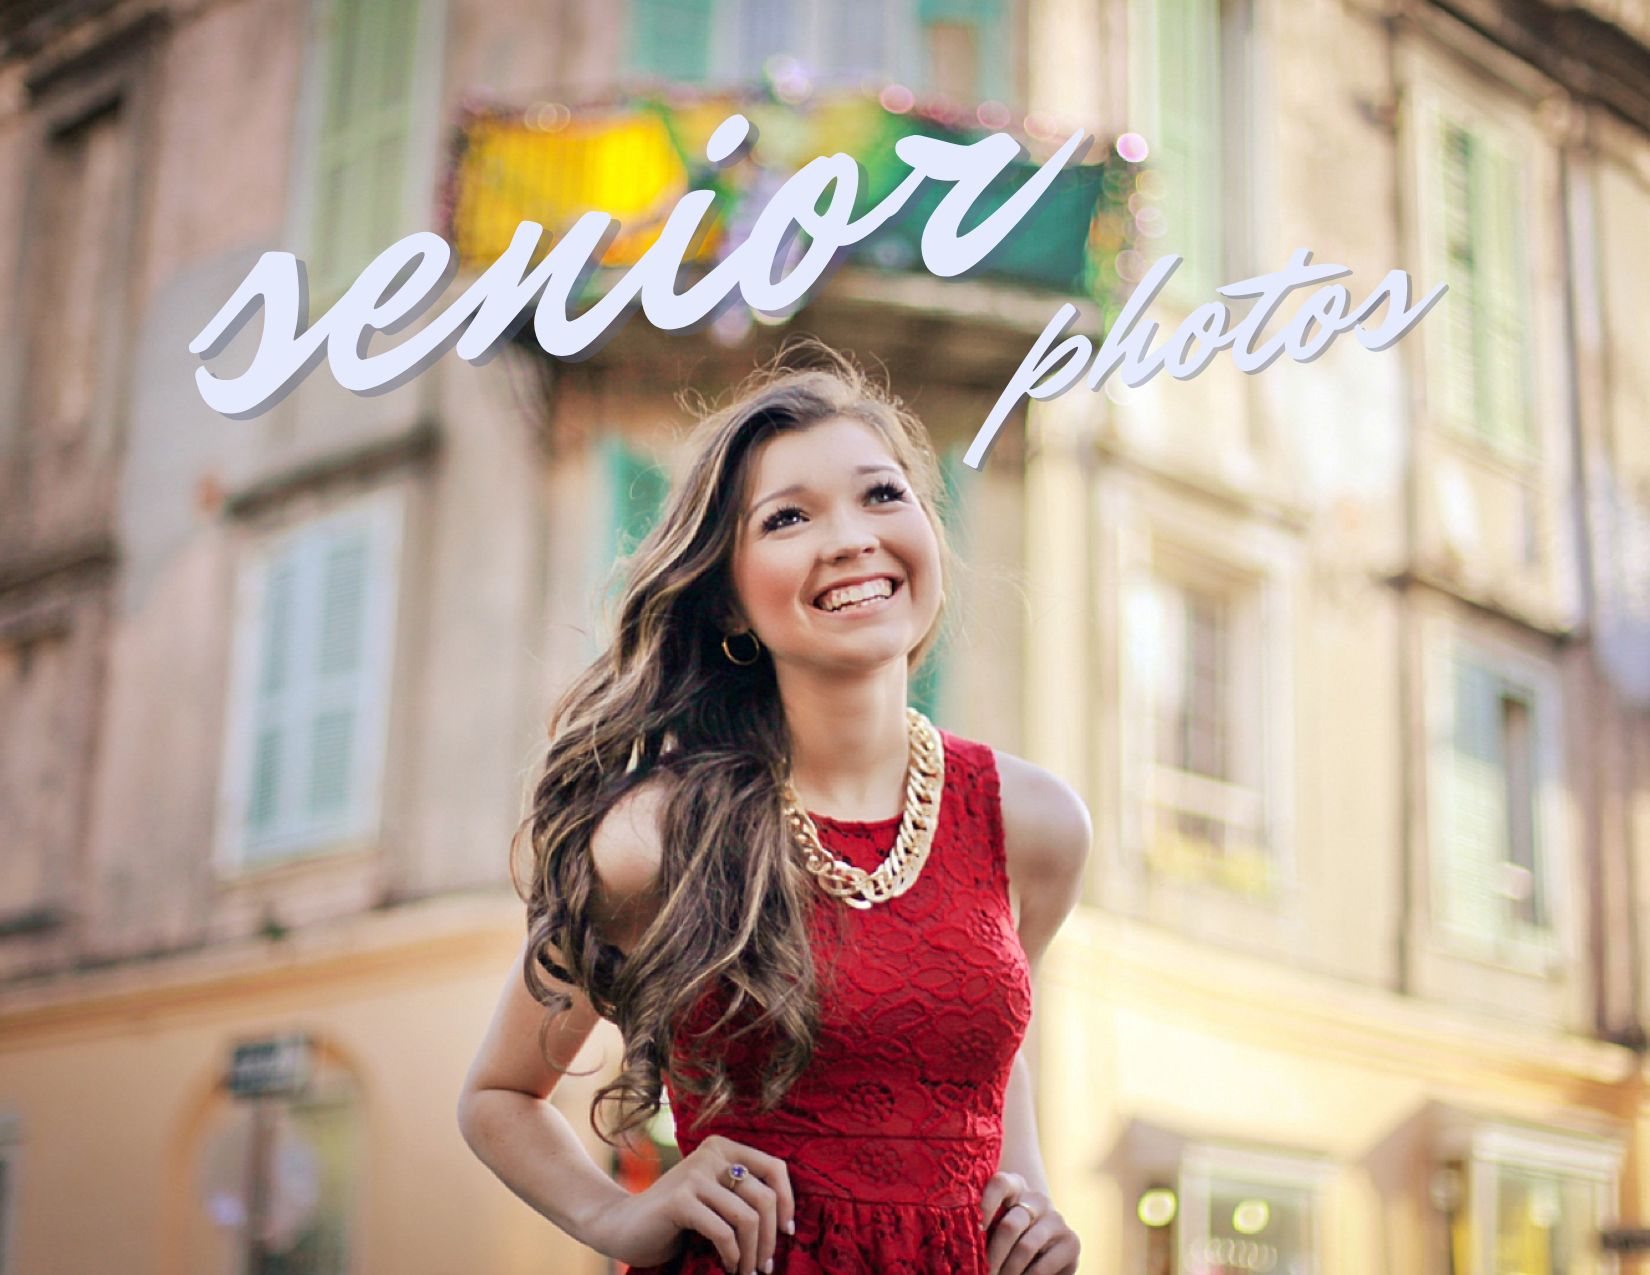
(1474, 832)
(361, 150)
(638, 490)
(1504, 372)
(928, 688)
(979, 12)
(856, 40)
(1482, 383)
(1455, 380)
(1180, 56)
(318, 699)
(272, 740)
(337, 686)
(670, 39)
(764, 28)
(981, 23)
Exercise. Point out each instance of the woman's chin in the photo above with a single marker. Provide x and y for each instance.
(869, 649)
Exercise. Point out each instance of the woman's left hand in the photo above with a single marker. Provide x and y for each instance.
(1030, 1240)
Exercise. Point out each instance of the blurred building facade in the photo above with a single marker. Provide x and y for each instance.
(1350, 658)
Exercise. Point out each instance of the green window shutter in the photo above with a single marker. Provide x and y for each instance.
(979, 12)
(337, 685)
(362, 142)
(1518, 716)
(1178, 54)
(638, 489)
(1505, 366)
(277, 726)
(315, 688)
(670, 39)
(1474, 836)
(1455, 380)
(271, 731)
(930, 686)
(987, 21)
(855, 40)
(764, 29)
(1483, 380)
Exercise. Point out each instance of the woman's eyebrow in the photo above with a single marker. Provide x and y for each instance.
(796, 487)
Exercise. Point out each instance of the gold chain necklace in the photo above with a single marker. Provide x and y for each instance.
(924, 784)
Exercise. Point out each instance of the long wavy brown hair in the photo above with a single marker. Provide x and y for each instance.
(663, 699)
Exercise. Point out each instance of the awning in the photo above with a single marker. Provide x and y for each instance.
(549, 163)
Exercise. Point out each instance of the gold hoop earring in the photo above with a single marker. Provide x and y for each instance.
(754, 654)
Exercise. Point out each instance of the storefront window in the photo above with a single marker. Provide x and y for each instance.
(1523, 1203)
(1246, 1213)
(275, 1179)
(1544, 1224)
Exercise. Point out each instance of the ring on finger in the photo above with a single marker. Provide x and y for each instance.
(737, 1174)
(1021, 1204)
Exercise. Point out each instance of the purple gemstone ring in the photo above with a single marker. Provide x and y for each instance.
(736, 1174)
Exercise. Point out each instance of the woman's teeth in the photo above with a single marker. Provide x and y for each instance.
(844, 599)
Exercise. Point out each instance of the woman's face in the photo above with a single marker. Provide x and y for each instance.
(823, 506)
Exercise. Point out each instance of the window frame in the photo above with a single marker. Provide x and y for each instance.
(1155, 533)
(115, 73)
(1448, 646)
(1484, 1148)
(1226, 203)
(420, 138)
(935, 689)
(1503, 118)
(11, 1158)
(905, 43)
(1515, 441)
(381, 514)
(1203, 1163)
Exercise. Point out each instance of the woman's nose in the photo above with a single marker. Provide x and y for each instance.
(850, 537)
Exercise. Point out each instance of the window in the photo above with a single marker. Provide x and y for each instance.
(10, 1154)
(1492, 884)
(630, 489)
(1524, 1202)
(1480, 379)
(953, 48)
(1193, 672)
(963, 44)
(931, 689)
(637, 489)
(1243, 1211)
(308, 711)
(1191, 94)
(42, 788)
(366, 59)
(275, 1179)
(670, 39)
(77, 198)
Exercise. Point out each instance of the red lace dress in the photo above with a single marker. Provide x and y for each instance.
(894, 1129)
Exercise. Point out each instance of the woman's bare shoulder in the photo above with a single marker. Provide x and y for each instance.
(625, 850)
(1046, 825)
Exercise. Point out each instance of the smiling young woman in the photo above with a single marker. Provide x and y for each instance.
(834, 1002)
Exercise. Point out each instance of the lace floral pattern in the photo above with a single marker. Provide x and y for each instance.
(892, 1133)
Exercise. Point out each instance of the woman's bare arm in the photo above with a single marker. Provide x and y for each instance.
(503, 1109)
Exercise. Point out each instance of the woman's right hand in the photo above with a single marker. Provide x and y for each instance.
(742, 1220)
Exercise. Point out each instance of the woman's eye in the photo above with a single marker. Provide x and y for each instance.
(773, 521)
(777, 519)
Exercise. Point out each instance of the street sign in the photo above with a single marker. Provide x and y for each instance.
(1625, 1239)
(269, 1067)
